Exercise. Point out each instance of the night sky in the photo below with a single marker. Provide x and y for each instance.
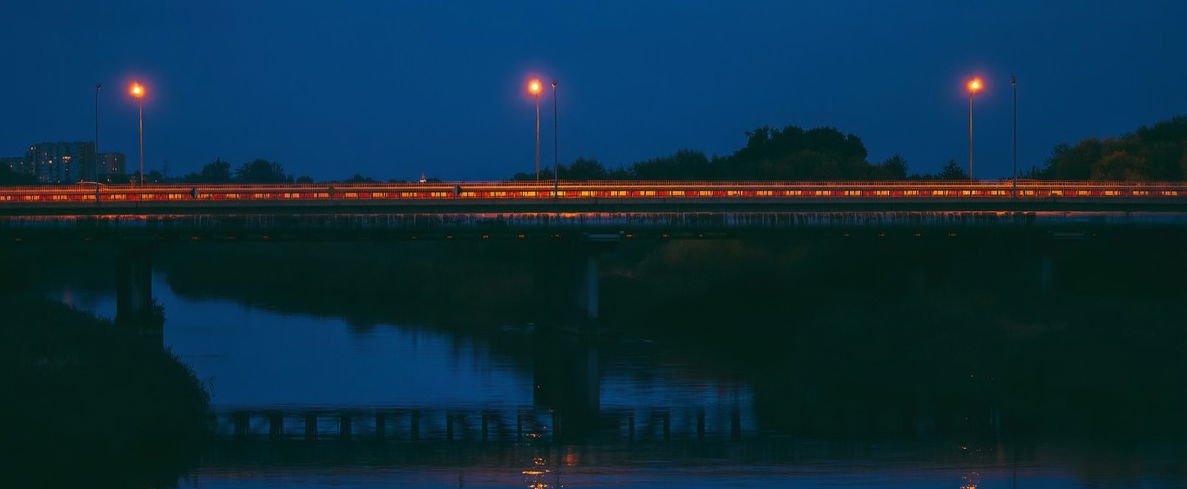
(394, 89)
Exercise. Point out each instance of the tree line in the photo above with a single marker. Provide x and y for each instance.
(1151, 153)
(792, 153)
(255, 171)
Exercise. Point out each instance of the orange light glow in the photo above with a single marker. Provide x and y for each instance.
(136, 90)
(975, 85)
(534, 86)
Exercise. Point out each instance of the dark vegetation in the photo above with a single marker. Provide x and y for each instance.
(790, 153)
(91, 403)
(1150, 153)
(256, 171)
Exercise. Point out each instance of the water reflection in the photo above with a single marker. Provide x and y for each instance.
(762, 364)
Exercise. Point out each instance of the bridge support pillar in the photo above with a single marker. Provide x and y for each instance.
(567, 284)
(589, 287)
(1046, 272)
(134, 305)
(567, 377)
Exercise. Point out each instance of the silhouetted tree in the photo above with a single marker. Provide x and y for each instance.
(952, 171)
(359, 179)
(684, 165)
(261, 171)
(217, 171)
(1150, 153)
(894, 168)
(154, 176)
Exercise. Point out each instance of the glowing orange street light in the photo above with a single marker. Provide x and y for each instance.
(534, 87)
(975, 85)
(138, 91)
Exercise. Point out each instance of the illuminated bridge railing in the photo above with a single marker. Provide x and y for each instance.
(609, 191)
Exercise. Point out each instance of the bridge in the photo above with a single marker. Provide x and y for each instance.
(514, 210)
(581, 218)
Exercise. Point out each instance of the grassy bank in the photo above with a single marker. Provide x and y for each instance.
(87, 401)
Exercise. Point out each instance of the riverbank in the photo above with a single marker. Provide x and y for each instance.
(91, 402)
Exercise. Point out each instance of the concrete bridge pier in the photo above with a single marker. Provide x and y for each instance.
(588, 287)
(567, 285)
(566, 374)
(1046, 272)
(1042, 263)
(134, 305)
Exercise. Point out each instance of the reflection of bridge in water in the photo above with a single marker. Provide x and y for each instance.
(498, 424)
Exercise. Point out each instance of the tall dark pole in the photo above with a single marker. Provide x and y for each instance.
(556, 160)
(970, 136)
(537, 135)
(140, 103)
(98, 86)
(1014, 85)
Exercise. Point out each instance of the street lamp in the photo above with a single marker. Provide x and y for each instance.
(975, 85)
(534, 88)
(556, 161)
(138, 91)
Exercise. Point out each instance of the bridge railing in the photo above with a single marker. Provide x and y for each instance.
(582, 192)
(545, 185)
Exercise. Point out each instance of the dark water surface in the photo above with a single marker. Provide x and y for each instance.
(715, 364)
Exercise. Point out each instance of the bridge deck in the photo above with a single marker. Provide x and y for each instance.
(493, 210)
(92, 198)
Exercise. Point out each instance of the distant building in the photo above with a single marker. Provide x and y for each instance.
(111, 163)
(69, 162)
(61, 162)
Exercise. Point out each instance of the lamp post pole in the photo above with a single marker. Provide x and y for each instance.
(138, 91)
(140, 103)
(974, 86)
(970, 136)
(556, 165)
(95, 166)
(1014, 86)
(537, 136)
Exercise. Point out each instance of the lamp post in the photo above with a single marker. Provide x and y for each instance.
(138, 91)
(975, 86)
(98, 86)
(556, 161)
(1014, 86)
(534, 88)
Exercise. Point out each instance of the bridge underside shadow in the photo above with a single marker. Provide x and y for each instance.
(134, 304)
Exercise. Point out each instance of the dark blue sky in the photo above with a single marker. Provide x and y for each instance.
(393, 89)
